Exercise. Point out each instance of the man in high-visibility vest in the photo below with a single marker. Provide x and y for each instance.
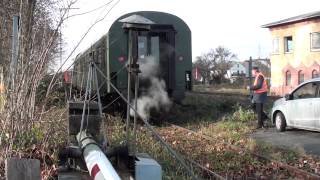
(260, 90)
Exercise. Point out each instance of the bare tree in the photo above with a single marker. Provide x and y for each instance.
(223, 58)
(214, 64)
(38, 39)
(38, 42)
(204, 64)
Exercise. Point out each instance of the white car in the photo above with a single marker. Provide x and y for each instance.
(299, 109)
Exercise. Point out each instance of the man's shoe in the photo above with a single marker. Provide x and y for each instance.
(266, 124)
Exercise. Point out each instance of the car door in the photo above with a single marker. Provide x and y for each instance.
(301, 108)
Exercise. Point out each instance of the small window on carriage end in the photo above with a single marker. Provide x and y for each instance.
(188, 80)
(99, 56)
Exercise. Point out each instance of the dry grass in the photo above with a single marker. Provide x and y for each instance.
(42, 142)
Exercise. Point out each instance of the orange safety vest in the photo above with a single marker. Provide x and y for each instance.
(264, 87)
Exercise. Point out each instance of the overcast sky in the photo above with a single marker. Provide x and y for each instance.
(235, 24)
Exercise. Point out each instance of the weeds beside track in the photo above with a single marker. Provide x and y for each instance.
(293, 172)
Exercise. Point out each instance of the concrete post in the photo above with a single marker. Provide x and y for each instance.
(22, 169)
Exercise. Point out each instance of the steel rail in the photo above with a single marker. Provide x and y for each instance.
(226, 94)
(217, 176)
(308, 175)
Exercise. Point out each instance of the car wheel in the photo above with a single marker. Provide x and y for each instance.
(280, 122)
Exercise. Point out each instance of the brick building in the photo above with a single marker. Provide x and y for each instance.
(295, 55)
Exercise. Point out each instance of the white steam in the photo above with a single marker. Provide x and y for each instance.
(155, 96)
(148, 67)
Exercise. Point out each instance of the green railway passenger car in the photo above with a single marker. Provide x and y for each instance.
(168, 41)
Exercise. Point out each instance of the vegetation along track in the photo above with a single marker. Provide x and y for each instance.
(227, 160)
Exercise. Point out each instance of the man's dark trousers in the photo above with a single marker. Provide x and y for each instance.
(261, 115)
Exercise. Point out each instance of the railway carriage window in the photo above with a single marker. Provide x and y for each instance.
(100, 55)
(103, 63)
(149, 46)
(155, 51)
(188, 80)
(97, 56)
(142, 47)
(305, 91)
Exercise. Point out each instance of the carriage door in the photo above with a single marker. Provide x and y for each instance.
(159, 45)
(168, 60)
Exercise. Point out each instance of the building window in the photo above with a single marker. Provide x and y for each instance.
(315, 41)
(300, 77)
(288, 44)
(288, 78)
(275, 46)
(315, 74)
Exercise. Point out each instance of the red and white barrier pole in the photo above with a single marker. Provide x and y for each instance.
(97, 163)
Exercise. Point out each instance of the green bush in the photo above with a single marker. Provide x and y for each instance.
(28, 138)
(243, 115)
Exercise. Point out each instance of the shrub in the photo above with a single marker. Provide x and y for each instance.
(28, 138)
(243, 115)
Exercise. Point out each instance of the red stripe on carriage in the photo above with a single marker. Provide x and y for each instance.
(95, 170)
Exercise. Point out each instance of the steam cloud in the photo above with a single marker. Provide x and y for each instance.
(156, 96)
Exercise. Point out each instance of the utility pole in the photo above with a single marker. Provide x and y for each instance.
(60, 39)
(259, 51)
(60, 47)
(15, 47)
(250, 70)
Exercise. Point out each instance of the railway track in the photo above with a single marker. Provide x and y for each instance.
(217, 93)
(227, 94)
(209, 173)
(294, 171)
